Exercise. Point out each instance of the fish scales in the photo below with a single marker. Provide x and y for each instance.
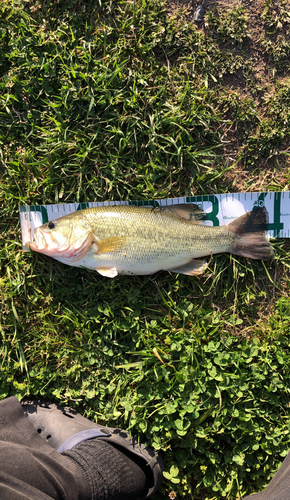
(155, 235)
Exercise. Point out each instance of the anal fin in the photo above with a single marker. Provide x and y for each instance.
(192, 268)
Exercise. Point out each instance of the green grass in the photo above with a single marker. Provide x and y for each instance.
(128, 100)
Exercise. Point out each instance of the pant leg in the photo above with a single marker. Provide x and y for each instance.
(29, 467)
(279, 486)
(254, 496)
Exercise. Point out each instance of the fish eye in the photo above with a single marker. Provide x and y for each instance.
(51, 225)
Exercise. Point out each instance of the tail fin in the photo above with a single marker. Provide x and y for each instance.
(251, 241)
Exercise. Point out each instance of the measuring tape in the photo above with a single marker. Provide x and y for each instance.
(220, 209)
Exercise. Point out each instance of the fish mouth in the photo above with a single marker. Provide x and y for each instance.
(38, 243)
(43, 242)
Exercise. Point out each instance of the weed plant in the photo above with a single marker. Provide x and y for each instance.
(129, 100)
(229, 25)
(276, 19)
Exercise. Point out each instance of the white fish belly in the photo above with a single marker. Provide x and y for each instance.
(139, 266)
(143, 255)
(135, 261)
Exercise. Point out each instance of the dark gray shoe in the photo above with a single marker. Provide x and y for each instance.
(63, 428)
(198, 15)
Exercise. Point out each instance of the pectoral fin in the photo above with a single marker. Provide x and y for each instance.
(111, 244)
(192, 268)
(109, 272)
(189, 212)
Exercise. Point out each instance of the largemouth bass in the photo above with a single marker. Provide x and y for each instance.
(143, 240)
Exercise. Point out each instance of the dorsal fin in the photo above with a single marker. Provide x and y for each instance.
(189, 212)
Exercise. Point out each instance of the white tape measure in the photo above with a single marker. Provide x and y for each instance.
(220, 209)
